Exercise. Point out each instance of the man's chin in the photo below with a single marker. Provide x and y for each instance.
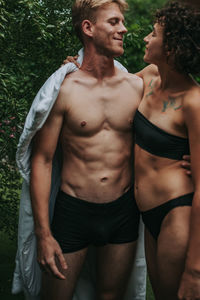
(119, 52)
(112, 52)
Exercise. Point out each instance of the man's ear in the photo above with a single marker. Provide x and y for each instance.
(87, 28)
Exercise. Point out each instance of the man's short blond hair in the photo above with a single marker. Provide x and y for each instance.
(86, 9)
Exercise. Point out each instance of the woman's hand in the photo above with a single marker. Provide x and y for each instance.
(190, 286)
(71, 59)
(186, 164)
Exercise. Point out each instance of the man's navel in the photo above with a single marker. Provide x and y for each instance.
(104, 179)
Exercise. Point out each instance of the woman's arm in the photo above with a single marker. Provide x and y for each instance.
(190, 282)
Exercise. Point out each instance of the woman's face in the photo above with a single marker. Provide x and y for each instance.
(154, 52)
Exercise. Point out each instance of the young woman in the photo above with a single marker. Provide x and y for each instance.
(167, 125)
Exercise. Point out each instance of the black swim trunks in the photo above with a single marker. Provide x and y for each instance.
(78, 223)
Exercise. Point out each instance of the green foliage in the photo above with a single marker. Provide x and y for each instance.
(35, 37)
(9, 195)
(139, 21)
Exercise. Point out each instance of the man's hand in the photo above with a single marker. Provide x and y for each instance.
(189, 287)
(49, 252)
(186, 164)
(71, 59)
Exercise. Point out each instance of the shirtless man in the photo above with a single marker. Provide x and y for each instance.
(92, 120)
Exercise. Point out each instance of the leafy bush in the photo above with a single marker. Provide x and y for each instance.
(139, 21)
(34, 39)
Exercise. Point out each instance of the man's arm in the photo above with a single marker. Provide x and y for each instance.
(44, 146)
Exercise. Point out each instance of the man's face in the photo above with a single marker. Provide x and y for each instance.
(108, 31)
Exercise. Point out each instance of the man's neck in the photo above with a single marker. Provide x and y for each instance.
(97, 65)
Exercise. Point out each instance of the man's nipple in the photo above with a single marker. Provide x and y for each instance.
(131, 122)
(83, 123)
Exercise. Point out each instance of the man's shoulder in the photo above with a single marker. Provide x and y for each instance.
(132, 78)
(135, 81)
(77, 78)
(71, 79)
(132, 84)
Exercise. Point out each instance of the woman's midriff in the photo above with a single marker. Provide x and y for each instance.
(158, 179)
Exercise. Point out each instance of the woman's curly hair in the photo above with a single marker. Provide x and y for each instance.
(181, 35)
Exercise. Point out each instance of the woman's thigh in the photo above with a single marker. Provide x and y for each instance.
(171, 251)
(151, 260)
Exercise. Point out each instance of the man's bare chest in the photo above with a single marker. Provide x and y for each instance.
(91, 111)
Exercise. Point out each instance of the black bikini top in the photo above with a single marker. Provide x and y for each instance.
(157, 141)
